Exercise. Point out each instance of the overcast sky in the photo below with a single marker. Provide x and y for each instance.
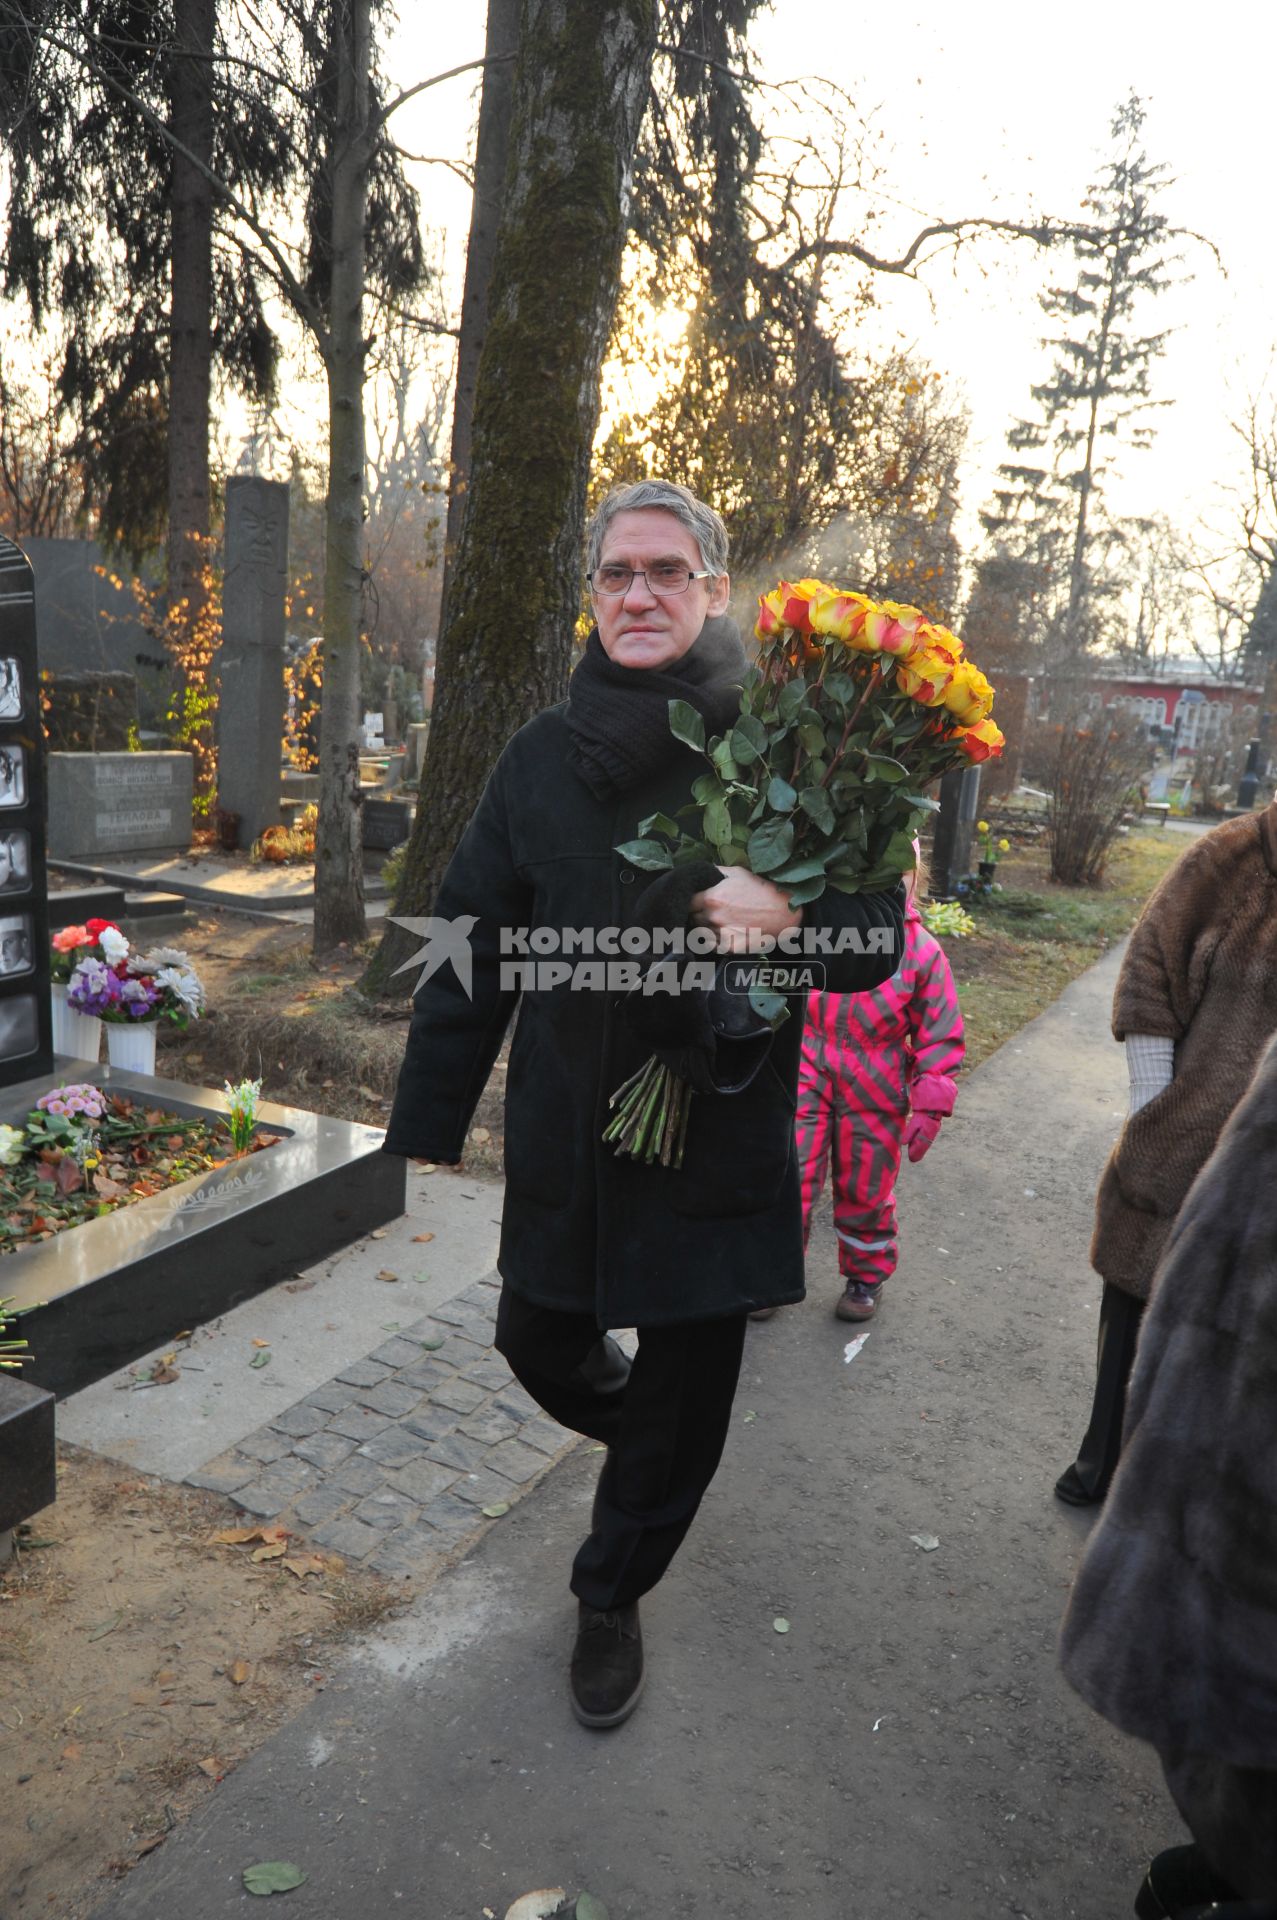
(1000, 107)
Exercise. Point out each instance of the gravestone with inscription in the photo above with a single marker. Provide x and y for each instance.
(26, 1031)
(250, 661)
(116, 803)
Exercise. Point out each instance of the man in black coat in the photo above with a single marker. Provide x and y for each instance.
(550, 916)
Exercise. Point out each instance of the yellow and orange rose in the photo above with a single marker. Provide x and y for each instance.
(983, 741)
(842, 616)
(930, 663)
(968, 696)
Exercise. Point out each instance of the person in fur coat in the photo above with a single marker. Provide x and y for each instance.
(1171, 1630)
(1196, 1003)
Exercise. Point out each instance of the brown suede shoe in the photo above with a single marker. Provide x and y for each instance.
(607, 1666)
(859, 1302)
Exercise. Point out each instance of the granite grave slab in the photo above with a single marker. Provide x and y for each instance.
(99, 1295)
(27, 1464)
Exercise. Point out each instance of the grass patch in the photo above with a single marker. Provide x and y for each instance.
(259, 983)
(358, 1605)
(1034, 937)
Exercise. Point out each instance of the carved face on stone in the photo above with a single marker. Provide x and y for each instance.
(640, 628)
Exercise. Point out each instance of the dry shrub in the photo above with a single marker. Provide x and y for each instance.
(1094, 764)
(329, 1052)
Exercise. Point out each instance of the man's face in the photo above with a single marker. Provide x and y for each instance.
(640, 628)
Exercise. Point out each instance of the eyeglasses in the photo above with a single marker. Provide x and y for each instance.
(664, 580)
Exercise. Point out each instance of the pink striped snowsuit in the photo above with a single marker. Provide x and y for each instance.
(867, 1059)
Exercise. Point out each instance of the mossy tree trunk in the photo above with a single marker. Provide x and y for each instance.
(339, 877)
(581, 84)
(491, 157)
(190, 91)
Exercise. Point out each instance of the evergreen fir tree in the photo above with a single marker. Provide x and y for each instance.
(1048, 520)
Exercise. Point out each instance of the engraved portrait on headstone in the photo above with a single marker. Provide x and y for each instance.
(19, 1032)
(26, 1023)
(15, 861)
(17, 951)
(10, 688)
(13, 777)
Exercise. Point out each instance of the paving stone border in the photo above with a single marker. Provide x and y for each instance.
(392, 1462)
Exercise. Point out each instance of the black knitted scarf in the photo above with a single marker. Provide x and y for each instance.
(619, 717)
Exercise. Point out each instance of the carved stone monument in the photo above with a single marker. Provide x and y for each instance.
(112, 803)
(250, 661)
(26, 1032)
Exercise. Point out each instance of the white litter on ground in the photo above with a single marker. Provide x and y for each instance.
(853, 1347)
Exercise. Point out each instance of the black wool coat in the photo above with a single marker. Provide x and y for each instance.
(582, 1230)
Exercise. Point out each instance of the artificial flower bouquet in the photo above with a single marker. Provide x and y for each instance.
(989, 847)
(854, 708)
(242, 1119)
(70, 945)
(118, 985)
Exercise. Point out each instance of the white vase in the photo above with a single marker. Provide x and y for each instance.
(131, 1047)
(74, 1033)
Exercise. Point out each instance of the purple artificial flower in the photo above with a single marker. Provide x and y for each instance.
(140, 998)
(93, 988)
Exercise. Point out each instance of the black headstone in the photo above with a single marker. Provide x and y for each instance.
(26, 1030)
(955, 824)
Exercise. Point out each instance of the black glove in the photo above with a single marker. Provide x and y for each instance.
(710, 1037)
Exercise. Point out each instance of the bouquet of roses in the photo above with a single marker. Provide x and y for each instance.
(123, 986)
(854, 708)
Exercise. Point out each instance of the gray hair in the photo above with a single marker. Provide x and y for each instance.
(704, 525)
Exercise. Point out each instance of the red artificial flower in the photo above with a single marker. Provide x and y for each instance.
(98, 927)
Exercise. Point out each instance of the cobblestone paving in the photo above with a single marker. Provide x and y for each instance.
(392, 1463)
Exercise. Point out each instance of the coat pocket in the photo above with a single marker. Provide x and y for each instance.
(739, 1147)
(1165, 1145)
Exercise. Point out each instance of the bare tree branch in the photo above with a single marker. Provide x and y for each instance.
(1044, 233)
(461, 168)
(383, 114)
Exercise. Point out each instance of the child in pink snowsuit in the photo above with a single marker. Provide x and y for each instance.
(876, 1075)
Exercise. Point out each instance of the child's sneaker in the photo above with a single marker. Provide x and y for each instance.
(860, 1301)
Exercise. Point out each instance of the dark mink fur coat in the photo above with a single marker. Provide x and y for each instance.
(1171, 1631)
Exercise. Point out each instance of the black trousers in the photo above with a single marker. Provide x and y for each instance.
(663, 1419)
(1097, 1457)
